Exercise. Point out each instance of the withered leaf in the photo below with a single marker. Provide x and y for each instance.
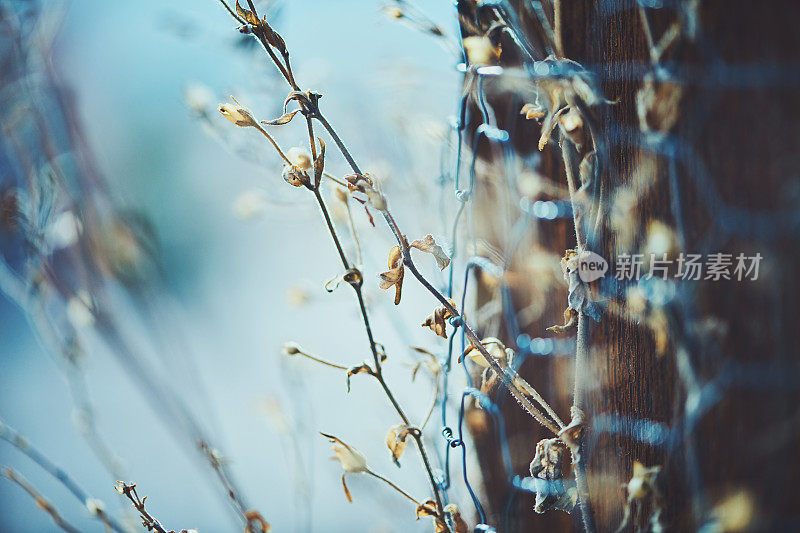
(437, 320)
(570, 320)
(554, 489)
(319, 163)
(283, 119)
(396, 441)
(429, 245)
(460, 526)
(248, 16)
(572, 434)
(363, 368)
(426, 508)
(255, 522)
(495, 348)
(533, 111)
(394, 277)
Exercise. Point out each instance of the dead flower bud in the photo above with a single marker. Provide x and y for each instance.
(394, 276)
(495, 348)
(460, 526)
(396, 441)
(237, 114)
(643, 492)
(393, 12)
(533, 111)
(295, 176)
(352, 460)
(94, 506)
(437, 320)
(291, 348)
(555, 489)
(299, 157)
(480, 50)
(255, 522)
(429, 245)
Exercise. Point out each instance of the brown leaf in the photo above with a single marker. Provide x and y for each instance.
(426, 508)
(555, 489)
(394, 277)
(361, 369)
(533, 111)
(437, 320)
(495, 348)
(570, 320)
(283, 119)
(396, 441)
(460, 526)
(247, 15)
(319, 163)
(255, 522)
(429, 245)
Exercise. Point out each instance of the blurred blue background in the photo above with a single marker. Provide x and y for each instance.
(234, 288)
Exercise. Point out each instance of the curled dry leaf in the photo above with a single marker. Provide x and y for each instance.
(429, 245)
(283, 119)
(437, 321)
(427, 508)
(319, 162)
(572, 434)
(533, 111)
(555, 488)
(364, 368)
(394, 276)
(396, 441)
(459, 524)
(255, 522)
(495, 348)
(570, 320)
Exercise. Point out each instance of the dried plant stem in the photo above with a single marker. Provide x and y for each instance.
(41, 502)
(148, 520)
(395, 487)
(378, 370)
(433, 403)
(21, 443)
(319, 360)
(581, 351)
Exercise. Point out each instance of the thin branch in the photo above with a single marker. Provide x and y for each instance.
(391, 484)
(41, 502)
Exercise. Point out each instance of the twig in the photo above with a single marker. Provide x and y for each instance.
(148, 521)
(41, 502)
(17, 440)
(391, 484)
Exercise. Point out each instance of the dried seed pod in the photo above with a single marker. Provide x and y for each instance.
(533, 111)
(643, 493)
(295, 176)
